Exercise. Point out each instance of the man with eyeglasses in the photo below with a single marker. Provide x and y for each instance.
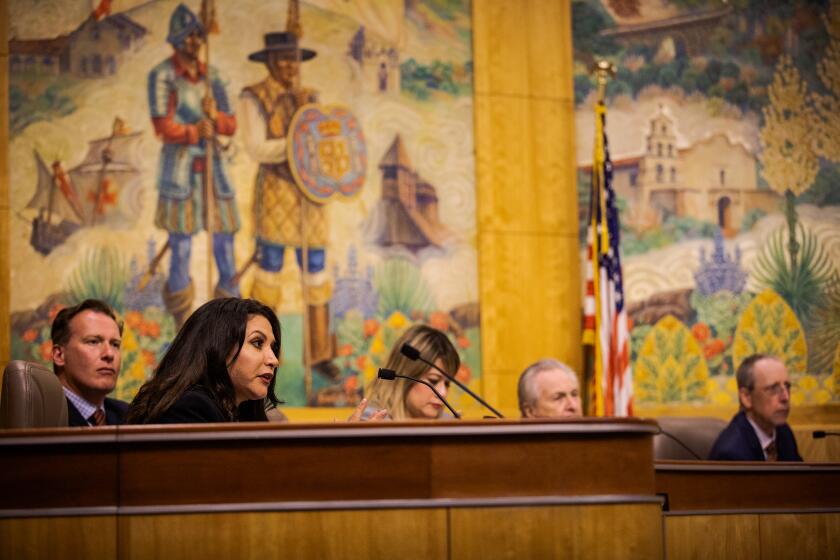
(759, 432)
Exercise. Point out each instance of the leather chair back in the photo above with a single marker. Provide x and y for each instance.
(698, 433)
(31, 397)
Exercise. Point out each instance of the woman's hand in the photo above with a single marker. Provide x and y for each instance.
(377, 416)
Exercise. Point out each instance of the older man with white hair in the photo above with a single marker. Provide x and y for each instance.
(549, 389)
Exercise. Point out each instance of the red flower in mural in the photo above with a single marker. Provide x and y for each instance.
(463, 341)
(345, 350)
(464, 374)
(701, 332)
(439, 320)
(713, 348)
(45, 351)
(351, 384)
(148, 357)
(150, 329)
(361, 362)
(370, 327)
(133, 320)
(30, 335)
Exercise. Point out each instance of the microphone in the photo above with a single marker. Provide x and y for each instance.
(819, 434)
(413, 354)
(390, 375)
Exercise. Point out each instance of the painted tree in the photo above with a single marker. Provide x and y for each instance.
(827, 122)
(789, 161)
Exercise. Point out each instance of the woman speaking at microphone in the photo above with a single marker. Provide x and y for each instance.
(407, 400)
(221, 367)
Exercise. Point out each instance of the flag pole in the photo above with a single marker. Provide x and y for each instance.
(597, 242)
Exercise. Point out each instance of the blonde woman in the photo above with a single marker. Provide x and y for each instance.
(403, 399)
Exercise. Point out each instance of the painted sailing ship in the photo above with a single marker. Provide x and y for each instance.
(101, 190)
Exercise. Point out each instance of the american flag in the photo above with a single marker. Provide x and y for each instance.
(605, 326)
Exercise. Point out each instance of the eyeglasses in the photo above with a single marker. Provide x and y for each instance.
(776, 389)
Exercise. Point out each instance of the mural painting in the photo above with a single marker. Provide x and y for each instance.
(722, 121)
(339, 187)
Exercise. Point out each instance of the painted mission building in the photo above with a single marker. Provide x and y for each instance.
(715, 179)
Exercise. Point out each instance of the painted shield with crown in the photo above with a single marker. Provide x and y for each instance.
(326, 150)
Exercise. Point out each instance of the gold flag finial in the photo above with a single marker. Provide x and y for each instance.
(293, 19)
(603, 70)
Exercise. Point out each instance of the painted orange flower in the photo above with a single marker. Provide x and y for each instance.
(345, 350)
(133, 319)
(701, 332)
(361, 362)
(45, 350)
(150, 329)
(713, 348)
(463, 341)
(370, 327)
(351, 384)
(148, 357)
(464, 374)
(30, 335)
(439, 320)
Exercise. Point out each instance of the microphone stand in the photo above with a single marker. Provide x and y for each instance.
(390, 375)
(413, 353)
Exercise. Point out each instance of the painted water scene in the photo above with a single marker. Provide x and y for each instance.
(340, 190)
(723, 119)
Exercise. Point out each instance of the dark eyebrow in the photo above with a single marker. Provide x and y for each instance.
(259, 332)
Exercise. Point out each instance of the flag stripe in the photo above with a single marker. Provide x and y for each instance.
(605, 324)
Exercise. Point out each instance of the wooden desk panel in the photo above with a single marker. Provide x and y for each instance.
(425, 490)
(591, 532)
(58, 468)
(695, 486)
(141, 469)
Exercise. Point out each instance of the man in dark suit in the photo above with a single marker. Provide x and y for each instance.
(759, 432)
(86, 358)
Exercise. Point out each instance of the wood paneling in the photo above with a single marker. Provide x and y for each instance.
(59, 538)
(604, 531)
(803, 537)
(534, 311)
(523, 48)
(709, 537)
(521, 149)
(529, 278)
(329, 535)
(75, 474)
(548, 466)
(162, 466)
(747, 486)
(824, 450)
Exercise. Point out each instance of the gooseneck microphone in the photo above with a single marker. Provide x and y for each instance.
(819, 434)
(413, 353)
(390, 375)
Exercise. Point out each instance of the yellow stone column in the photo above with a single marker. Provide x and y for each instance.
(529, 269)
(5, 212)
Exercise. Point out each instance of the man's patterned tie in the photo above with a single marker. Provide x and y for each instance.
(97, 418)
(772, 452)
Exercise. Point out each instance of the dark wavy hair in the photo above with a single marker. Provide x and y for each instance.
(199, 355)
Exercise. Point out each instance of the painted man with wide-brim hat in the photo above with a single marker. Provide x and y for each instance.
(266, 112)
(187, 120)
